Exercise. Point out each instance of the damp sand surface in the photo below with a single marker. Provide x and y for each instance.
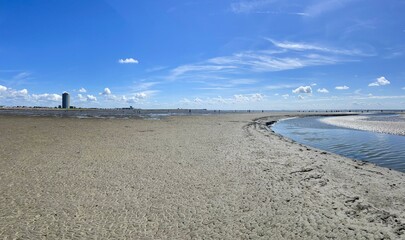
(189, 177)
(367, 123)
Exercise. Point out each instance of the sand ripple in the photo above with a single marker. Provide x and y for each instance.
(212, 177)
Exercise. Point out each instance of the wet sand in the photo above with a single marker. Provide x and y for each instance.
(361, 123)
(202, 177)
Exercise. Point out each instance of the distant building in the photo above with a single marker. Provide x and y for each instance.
(65, 100)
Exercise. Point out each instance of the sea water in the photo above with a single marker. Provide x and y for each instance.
(385, 150)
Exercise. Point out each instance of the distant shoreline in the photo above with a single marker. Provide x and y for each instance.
(142, 113)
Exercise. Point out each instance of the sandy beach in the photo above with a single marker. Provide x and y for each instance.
(188, 177)
(362, 123)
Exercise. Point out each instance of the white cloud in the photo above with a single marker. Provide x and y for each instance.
(81, 97)
(302, 89)
(3, 88)
(257, 97)
(23, 92)
(86, 98)
(140, 96)
(17, 93)
(381, 81)
(342, 87)
(47, 97)
(285, 96)
(91, 98)
(300, 97)
(106, 92)
(12, 94)
(322, 90)
(128, 60)
(241, 98)
(82, 90)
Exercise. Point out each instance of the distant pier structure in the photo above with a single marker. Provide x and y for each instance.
(65, 100)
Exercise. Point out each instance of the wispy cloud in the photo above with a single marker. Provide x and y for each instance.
(381, 81)
(261, 7)
(155, 69)
(181, 70)
(140, 86)
(253, 62)
(128, 60)
(289, 56)
(322, 7)
(250, 6)
(342, 87)
(22, 75)
(281, 86)
(82, 90)
(242, 81)
(299, 46)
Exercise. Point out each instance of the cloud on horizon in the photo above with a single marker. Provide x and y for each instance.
(235, 99)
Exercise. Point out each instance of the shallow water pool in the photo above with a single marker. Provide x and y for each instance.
(385, 150)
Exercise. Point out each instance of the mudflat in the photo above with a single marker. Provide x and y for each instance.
(217, 176)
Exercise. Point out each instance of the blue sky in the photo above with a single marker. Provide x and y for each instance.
(236, 54)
